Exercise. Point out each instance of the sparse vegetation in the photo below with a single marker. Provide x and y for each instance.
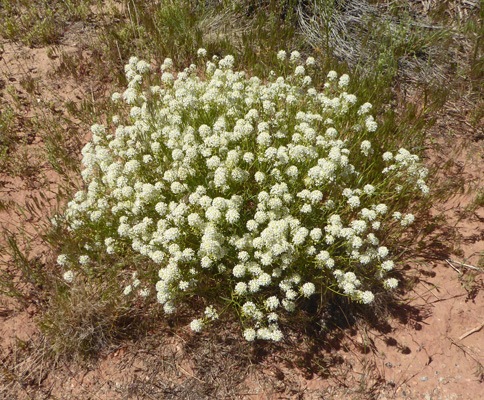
(416, 65)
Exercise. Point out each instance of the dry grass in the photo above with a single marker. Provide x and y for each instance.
(89, 319)
(383, 35)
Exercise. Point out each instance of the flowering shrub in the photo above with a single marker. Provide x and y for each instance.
(260, 192)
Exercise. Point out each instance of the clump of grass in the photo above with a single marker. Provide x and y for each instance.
(40, 22)
(85, 319)
(7, 137)
(158, 29)
(380, 39)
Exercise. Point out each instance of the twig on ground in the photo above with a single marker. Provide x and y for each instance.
(466, 350)
(430, 291)
(189, 374)
(454, 268)
(474, 330)
(466, 265)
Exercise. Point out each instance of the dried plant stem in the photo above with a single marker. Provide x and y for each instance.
(474, 330)
(466, 265)
(452, 266)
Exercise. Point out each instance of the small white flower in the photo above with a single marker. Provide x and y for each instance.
(306, 208)
(365, 147)
(252, 225)
(232, 216)
(365, 109)
(243, 256)
(183, 285)
(407, 220)
(239, 270)
(281, 55)
(264, 279)
(289, 305)
(211, 312)
(344, 80)
(381, 208)
(291, 294)
(358, 226)
(371, 125)
(254, 286)
(387, 156)
(424, 189)
(276, 335)
(367, 297)
(299, 70)
(240, 288)
(201, 53)
(248, 157)
(382, 251)
(115, 97)
(206, 262)
(354, 201)
(259, 177)
(316, 234)
(272, 303)
(213, 214)
(387, 265)
(373, 239)
(167, 77)
(332, 75)
(167, 63)
(308, 289)
(390, 283)
(169, 307)
(250, 334)
(68, 276)
(295, 56)
(62, 260)
(323, 256)
(84, 260)
(143, 67)
(272, 317)
(227, 62)
(196, 325)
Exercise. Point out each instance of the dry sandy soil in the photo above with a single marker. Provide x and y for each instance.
(431, 348)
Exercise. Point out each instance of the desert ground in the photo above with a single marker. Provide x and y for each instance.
(430, 345)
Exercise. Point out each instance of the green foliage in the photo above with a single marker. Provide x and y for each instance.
(7, 136)
(158, 29)
(40, 22)
(259, 194)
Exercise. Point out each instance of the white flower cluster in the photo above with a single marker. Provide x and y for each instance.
(248, 181)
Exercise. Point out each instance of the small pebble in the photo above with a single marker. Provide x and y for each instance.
(389, 364)
(424, 378)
